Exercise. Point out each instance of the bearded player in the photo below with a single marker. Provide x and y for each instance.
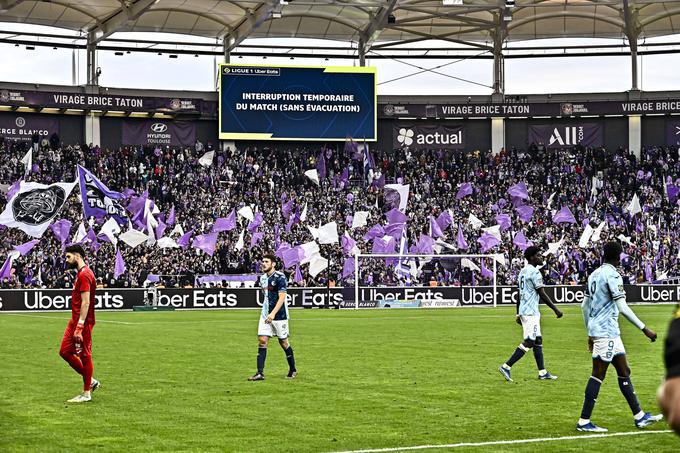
(76, 346)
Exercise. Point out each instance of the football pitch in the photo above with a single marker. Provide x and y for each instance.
(369, 379)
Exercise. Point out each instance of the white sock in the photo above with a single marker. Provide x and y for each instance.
(505, 366)
(542, 372)
(583, 421)
(639, 415)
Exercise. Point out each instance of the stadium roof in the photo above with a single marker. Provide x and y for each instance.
(369, 21)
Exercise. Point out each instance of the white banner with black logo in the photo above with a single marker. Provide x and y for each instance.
(428, 136)
(33, 208)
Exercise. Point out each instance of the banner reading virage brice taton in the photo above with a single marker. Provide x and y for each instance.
(226, 298)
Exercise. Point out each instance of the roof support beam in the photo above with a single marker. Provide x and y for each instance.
(632, 30)
(6, 5)
(124, 14)
(254, 18)
(371, 33)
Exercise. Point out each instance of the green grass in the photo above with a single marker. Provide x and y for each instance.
(368, 379)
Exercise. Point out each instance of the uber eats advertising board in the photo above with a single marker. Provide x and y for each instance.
(259, 102)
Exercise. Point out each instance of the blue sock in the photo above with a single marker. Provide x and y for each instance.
(518, 354)
(538, 355)
(592, 390)
(261, 357)
(291, 358)
(628, 391)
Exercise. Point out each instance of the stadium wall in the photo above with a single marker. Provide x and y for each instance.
(370, 297)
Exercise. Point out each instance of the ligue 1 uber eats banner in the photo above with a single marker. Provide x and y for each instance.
(201, 298)
(159, 133)
(259, 102)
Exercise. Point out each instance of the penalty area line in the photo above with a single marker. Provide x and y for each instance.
(507, 442)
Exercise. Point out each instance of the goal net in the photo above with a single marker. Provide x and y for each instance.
(423, 280)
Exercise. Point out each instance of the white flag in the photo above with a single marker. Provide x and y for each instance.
(80, 234)
(167, 242)
(110, 229)
(495, 231)
(133, 238)
(27, 160)
(313, 175)
(303, 214)
(177, 230)
(359, 219)
(309, 250)
(207, 158)
(550, 200)
(596, 234)
(314, 232)
(247, 213)
(625, 239)
(35, 206)
(465, 262)
(474, 221)
(553, 247)
(634, 205)
(328, 234)
(317, 265)
(403, 191)
(500, 259)
(585, 237)
(239, 243)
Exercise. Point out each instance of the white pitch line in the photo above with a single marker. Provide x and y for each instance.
(508, 442)
(65, 319)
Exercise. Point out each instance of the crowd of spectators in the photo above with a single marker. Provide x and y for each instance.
(595, 184)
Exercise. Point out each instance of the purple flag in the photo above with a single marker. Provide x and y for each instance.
(206, 242)
(375, 231)
(345, 176)
(171, 216)
(26, 247)
(525, 212)
(225, 223)
(98, 200)
(672, 191)
(504, 221)
(160, 229)
(282, 248)
(184, 240)
(396, 230)
(257, 221)
(255, 238)
(14, 188)
(287, 208)
(380, 182)
(136, 207)
(488, 241)
(396, 216)
(519, 190)
(648, 272)
(6, 271)
(321, 166)
(381, 245)
(435, 231)
(444, 220)
(298, 274)
(61, 229)
(292, 256)
(425, 245)
(119, 268)
(460, 239)
(347, 243)
(464, 190)
(521, 241)
(348, 268)
(564, 216)
(486, 273)
(92, 239)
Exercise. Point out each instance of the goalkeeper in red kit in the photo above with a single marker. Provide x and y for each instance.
(76, 346)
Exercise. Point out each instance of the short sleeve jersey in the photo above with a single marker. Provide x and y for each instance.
(605, 287)
(85, 281)
(530, 281)
(272, 285)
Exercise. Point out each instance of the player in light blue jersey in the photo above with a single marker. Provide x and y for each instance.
(531, 292)
(274, 317)
(605, 298)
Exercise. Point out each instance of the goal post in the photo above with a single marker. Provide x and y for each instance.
(426, 258)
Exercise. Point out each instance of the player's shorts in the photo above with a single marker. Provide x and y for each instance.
(606, 349)
(532, 326)
(69, 346)
(276, 328)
